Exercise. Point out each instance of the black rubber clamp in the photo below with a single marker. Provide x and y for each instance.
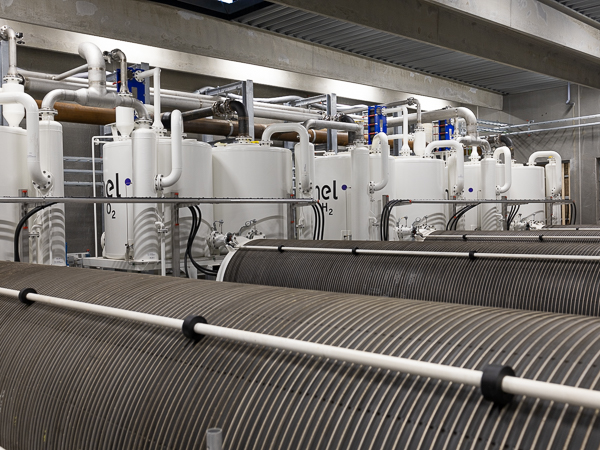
(464, 236)
(472, 255)
(280, 248)
(23, 296)
(354, 250)
(541, 237)
(188, 327)
(491, 384)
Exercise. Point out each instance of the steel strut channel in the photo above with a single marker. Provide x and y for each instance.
(503, 384)
(471, 255)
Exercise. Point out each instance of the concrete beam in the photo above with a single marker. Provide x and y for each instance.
(521, 33)
(189, 42)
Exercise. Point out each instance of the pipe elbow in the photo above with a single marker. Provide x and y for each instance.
(55, 96)
(162, 182)
(92, 54)
(507, 169)
(382, 138)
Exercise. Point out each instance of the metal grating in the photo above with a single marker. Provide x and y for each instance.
(397, 50)
(589, 8)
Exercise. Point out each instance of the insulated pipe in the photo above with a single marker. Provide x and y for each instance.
(344, 118)
(242, 115)
(41, 178)
(382, 139)
(486, 148)
(333, 125)
(8, 34)
(162, 181)
(506, 140)
(459, 183)
(96, 94)
(119, 56)
(188, 115)
(70, 73)
(557, 188)
(507, 168)
(442, 114)
(308, 156)
(155, 74)
(413, 101)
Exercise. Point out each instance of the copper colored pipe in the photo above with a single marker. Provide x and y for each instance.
(71, 112)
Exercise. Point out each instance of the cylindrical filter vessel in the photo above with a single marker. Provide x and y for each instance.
(196, 181)
(146, 246)
(243, 170)
(421, 179)
(49, 247)
(117, 164)
(361, 200)
(527, 183)
(333, 178)
(72, 379)
(14, 178)
(489, 216)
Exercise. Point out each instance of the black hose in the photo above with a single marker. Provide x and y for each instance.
(506, 140)
(201, 113)
(316, 224)
(242, 115)
(574, 216)
(322, 224)
(351, 134)
(196, 222)
(25, 218)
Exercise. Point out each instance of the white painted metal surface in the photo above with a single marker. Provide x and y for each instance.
(14, 176)
(50, 248)
(333, 178)
(243, 170)
(196, 181)
(145, 236)
(421, 179)
(118, 217)
(470, 220)
(527, 183)
(488, 212)
(377, 202)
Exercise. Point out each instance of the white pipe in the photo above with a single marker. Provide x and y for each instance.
(588, 398)
(71, 72)
(8, 34)
(308, 156)
(405, 147)
(507, 168)
(474, 255)
(42, 179)
(161, 181)
(359, 198)
(385, 162)
(557, 188)
(155, 74)
(460, 161)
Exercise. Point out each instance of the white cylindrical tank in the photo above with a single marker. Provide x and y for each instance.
(196, 181)
(14, 177)
(470, 220)
(146, 245)
(422, 179)
(489, 218)
(551, 182)
(49, 247)
(376, 200)
(117, 162)
(333, 176)
(245, 170)
(527, 183)
(361, 200)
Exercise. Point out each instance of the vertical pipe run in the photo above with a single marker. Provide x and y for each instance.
(360, 199)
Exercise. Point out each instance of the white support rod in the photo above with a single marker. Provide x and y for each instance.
(514, 385)
(70, 73)
(534, 237)
(472, 255)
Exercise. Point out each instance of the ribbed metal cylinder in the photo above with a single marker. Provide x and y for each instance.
(72, 380)
(551, 235)
(569, 287)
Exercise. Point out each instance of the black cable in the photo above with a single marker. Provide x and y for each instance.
(196, 223)
(25, 218)
(572, 220)
(453, 222)
(322, 224)
(316, 223)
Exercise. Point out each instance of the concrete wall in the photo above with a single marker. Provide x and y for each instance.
(579, 146)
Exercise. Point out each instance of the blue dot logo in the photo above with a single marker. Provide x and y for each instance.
(344, 187)
(470, 189)
(127, 182)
